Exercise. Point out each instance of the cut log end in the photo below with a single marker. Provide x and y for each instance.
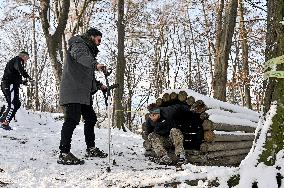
(159, 102)
(182, 96)
(209, 136)
(190, 100)
(174, 96)
(198, 107)
(166, 97)
(204, 116)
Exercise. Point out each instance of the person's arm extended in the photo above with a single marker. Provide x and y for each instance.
(19, 67)
(81, 54)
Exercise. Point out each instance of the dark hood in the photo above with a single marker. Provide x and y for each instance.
(84, 39)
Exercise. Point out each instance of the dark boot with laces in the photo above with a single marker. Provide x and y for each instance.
(182, 159)
(95, 152)
(69, 159)
(5, 125)
(165, 160)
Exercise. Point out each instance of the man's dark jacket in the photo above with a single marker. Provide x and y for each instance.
(78, 78)
(14, 71)
(170, 117)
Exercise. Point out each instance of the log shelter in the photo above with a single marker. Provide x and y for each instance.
(220, 135)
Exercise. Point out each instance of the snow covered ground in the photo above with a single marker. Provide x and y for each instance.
(29, 153)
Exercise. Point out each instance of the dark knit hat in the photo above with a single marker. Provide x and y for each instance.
(94, 32)
(24, 53)
(154, 109)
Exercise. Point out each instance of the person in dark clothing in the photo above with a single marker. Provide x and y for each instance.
(164, 132)
(78, 83)
(11, 80)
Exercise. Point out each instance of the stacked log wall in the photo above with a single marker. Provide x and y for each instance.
(228, 130)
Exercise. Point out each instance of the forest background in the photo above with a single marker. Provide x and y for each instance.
(216, 48)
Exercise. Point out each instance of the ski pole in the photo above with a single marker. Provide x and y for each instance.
(107, 102)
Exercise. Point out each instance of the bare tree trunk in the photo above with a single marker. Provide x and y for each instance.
(36, 96)
(54, 40)
(244, 45)
(223, 47)
(209, 43)
(120, 68)
(275, 86)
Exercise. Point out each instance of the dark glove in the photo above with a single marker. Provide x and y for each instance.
(104, 88)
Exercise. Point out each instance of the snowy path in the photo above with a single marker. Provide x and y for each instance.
(29, 153)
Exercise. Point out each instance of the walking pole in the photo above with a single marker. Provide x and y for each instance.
(109, 132)
(107, 103)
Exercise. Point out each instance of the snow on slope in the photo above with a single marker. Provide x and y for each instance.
(29, 153)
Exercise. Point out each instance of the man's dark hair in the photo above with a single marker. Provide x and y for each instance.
(24, 53)
(93, 32)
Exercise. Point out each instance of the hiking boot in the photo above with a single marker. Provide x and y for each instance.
(5, 125)
(95, 152)
(69, 159)
(149, 153)
(165, 160)
(182, 159)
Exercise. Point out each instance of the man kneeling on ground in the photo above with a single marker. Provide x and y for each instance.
(163, 132)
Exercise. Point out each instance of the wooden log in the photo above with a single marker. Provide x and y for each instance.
(166, 97)
(174, 96)
(159, 101)
(216, 154)
(190, 100)
(209, 125)
(204, 116)
(225, 161)
(198, 107)
(210, 136)
(182, 96)
(217, 146)
(193, 152)
(222, 161)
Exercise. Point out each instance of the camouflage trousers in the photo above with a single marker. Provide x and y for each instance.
(159, 144)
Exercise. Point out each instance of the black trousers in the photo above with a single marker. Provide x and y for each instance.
(72, 115)
(11, 93)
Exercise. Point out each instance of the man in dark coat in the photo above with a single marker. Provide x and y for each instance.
(11, 80)
(77, 86)
(164, 132)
